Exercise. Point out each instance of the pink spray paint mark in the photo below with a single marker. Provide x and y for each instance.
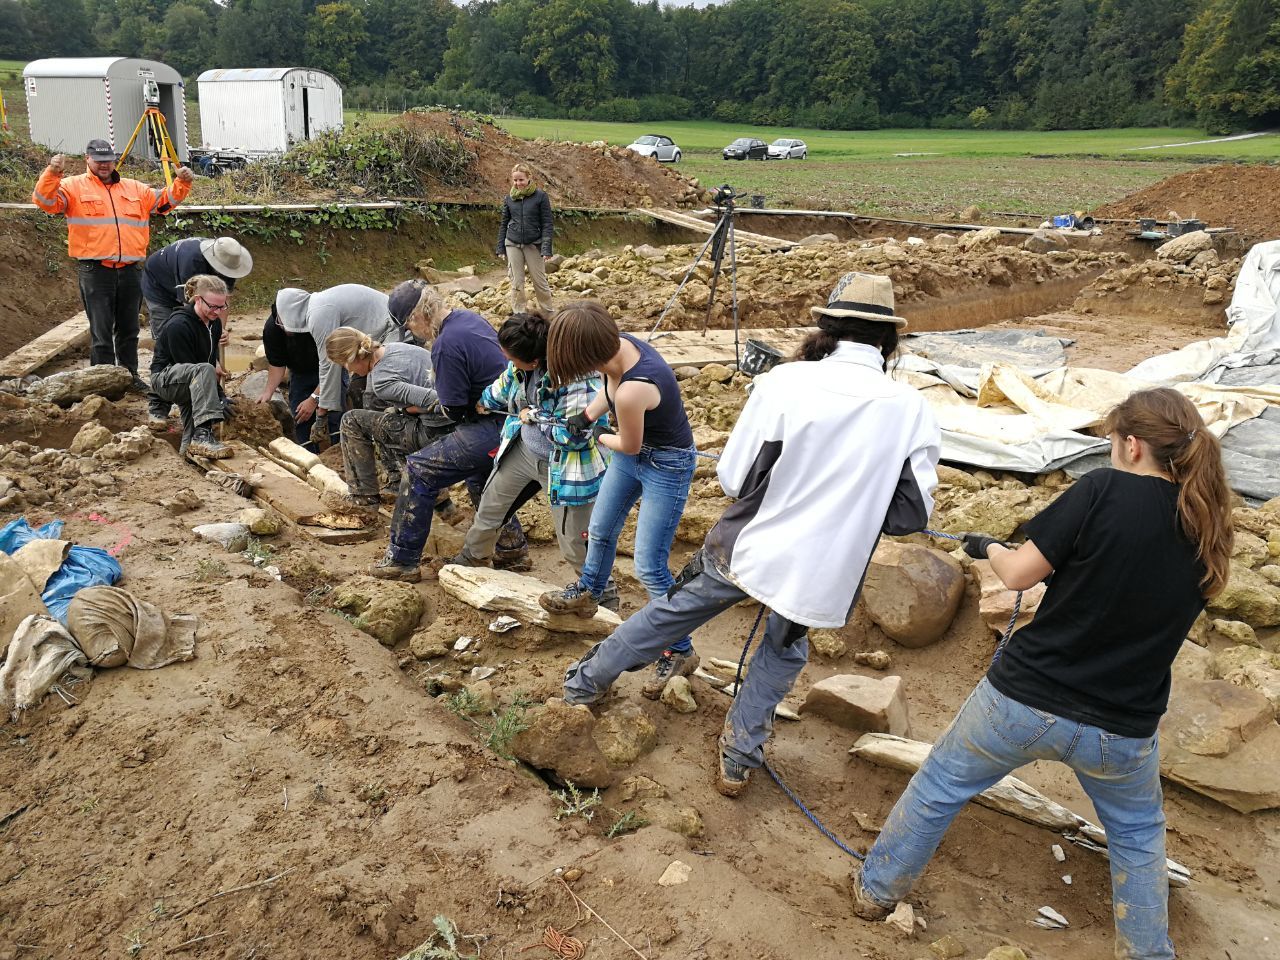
(126, 535)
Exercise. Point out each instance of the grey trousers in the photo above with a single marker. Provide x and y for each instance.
(517, 478)
(667, 618)
(518, 258)
(194, 388)
(389, 435)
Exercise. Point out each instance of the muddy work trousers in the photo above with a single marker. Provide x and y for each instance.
(385, 435)
(516, 479)
(641, 639)
(465, 455)
(520, 258)
(112, 298)
(194, 388)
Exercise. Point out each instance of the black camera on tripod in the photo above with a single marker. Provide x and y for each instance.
(723, 195)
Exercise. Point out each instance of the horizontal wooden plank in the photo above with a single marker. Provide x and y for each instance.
(65, 336)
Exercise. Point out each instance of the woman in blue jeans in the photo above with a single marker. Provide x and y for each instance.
(653, 462)
(1134, 552)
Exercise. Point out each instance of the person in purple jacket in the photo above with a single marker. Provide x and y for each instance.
(466, 358)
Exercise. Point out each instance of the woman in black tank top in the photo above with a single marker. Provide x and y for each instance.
(653, 462)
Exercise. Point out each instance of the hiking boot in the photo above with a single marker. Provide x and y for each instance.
(610, 599)
(517, 561)
(138, 385)
(863, 906)
(575, 598)
(389, 569)
(672, 663)
(732, 778)
(158, 423)
(205, 444)
(431, 569)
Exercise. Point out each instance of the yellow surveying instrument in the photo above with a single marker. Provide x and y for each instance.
(152, 120)
(4, 116)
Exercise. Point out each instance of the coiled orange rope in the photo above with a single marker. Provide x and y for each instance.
(563, 945)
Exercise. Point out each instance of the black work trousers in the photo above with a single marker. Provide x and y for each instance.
(112, 298)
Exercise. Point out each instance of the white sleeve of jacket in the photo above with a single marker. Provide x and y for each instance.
(756, 425)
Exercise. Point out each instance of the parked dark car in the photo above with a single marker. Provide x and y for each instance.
(746, 148)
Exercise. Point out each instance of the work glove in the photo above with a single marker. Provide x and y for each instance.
(320, 432)
(578, 423)
(976, 544)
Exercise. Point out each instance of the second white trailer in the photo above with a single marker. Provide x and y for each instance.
(266, 110)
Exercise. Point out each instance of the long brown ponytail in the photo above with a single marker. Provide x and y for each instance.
(1181, 444)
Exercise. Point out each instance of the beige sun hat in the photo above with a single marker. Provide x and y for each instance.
(867, 296)
(227, 256)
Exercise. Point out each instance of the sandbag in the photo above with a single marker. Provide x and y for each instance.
(113, 627)
(41, 559)
(19, 599)
(40, 653)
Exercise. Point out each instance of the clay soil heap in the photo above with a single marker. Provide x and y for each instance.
(1244, 196)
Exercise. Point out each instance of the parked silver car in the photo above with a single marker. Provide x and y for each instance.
(788, 150)
(662, 149)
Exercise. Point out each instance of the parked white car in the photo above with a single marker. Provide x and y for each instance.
(788, 150)
(663, 149)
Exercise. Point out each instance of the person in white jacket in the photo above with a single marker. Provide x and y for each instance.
(829, 454)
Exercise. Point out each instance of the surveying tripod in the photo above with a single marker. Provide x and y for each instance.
(158, 133)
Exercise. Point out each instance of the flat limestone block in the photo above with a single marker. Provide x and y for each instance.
(878, 704)
(294, 453)
(507, 592)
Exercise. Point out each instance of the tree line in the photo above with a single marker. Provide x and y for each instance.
(847, 64)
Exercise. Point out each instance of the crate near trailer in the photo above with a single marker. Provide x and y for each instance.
(72, 100)
(262, 111)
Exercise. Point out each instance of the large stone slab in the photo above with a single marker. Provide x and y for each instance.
(72, 386)
(506, 592)
(912, 592)
(877, 704)
(1221, 740)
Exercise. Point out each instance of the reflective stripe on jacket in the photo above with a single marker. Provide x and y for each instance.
(106, 222)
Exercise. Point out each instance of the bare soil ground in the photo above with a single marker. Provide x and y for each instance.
(1226, 195)
(322, 785)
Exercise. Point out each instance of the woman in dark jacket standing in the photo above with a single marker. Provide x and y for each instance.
(524, 239)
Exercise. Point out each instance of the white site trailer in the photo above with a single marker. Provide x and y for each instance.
(266, 110)
(72, 100)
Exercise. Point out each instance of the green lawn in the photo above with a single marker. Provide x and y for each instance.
(700, 138)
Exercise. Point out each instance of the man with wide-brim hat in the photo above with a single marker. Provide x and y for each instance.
(108, 230)
(167, 271)
(829, 453)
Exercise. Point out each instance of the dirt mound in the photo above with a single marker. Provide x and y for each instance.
(1244, 196)
(572, 173)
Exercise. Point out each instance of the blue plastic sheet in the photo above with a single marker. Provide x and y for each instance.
(83, 567)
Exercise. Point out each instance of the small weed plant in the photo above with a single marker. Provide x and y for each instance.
(441, 945)
(576, 803)
(628, 822)
(506, 725)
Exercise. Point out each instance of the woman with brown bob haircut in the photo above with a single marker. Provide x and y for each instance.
(653, 461)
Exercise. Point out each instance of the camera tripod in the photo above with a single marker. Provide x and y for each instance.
(158, 134)
(722, 238)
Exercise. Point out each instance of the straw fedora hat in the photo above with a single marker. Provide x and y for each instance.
(867, 296)
(227, 256)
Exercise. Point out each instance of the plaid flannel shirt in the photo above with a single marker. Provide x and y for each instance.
(577, 463)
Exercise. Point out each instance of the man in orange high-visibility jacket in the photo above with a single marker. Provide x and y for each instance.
(108, 228)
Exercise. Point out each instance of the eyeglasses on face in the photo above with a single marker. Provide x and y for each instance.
(215, 307)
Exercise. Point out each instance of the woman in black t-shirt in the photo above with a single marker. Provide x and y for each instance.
(1134, 553)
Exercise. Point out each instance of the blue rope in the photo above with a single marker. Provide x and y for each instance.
(737, 684)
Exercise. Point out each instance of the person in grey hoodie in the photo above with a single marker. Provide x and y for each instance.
(524, 239)
(319, 314)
